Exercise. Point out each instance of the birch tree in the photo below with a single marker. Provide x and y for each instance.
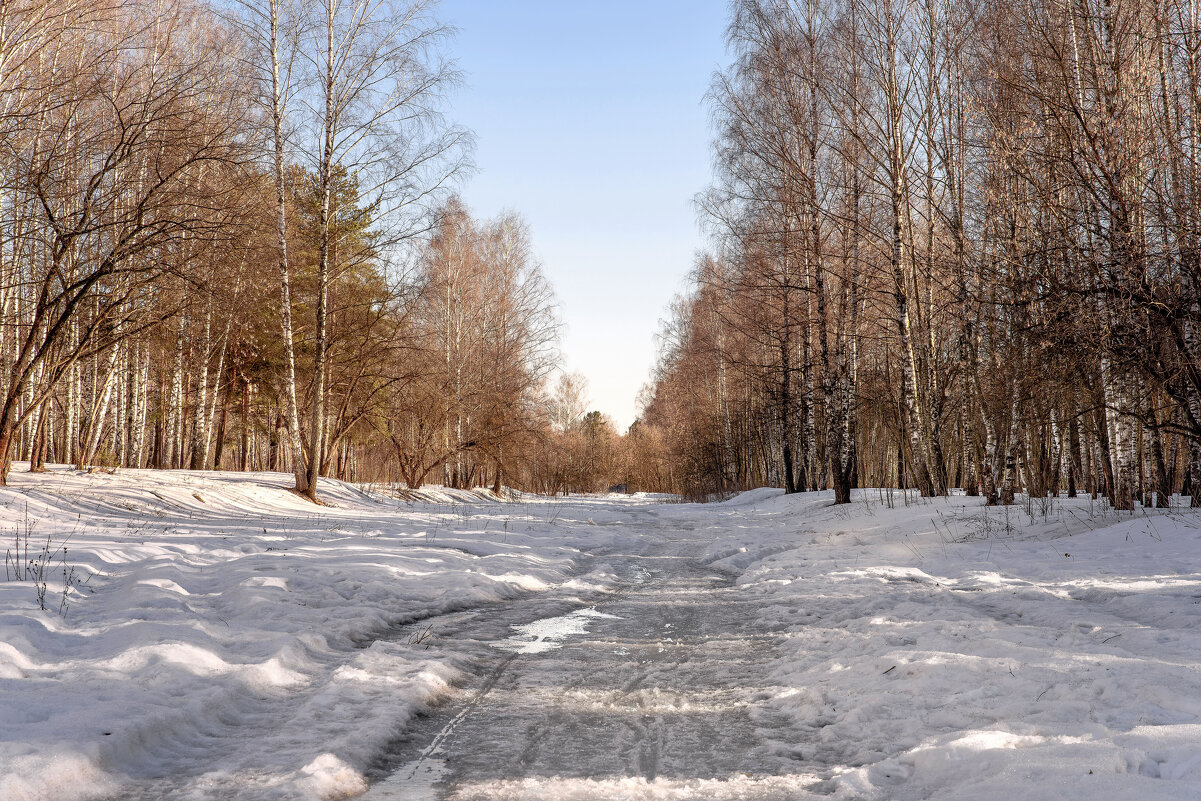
(114, 181)
(372, 84)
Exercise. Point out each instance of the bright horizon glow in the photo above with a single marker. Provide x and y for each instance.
(590, 123)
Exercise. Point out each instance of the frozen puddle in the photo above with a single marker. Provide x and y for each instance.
(549, 633)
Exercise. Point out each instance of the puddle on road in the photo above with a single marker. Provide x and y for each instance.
(549, 633)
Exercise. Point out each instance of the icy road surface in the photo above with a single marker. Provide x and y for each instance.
(652, 688)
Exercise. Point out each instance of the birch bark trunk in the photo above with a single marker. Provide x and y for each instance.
(295, 445)
(324, 245)
(200, 416)
(100, 406)
(898, 256)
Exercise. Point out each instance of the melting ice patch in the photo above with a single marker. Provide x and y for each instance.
(550, 632)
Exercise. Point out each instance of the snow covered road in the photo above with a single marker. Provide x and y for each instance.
(654, 691)
(232, 643)
(779, 648)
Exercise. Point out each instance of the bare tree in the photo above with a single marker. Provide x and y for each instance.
(119, 164)
(273, 27)
(370, 98)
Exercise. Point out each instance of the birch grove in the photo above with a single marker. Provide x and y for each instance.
(997, 287)
(221, 247)
(951, 245)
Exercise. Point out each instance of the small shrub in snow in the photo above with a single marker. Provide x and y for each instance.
(992, 523)
(424, 637)
(22, 563)
(1039, 508)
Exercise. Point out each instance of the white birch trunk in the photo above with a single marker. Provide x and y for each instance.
(175, 445)
(99, 414)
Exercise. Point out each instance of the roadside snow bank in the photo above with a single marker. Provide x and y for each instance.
(936, 649)
(218, 625)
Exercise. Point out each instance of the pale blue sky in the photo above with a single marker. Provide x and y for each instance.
(590, 123)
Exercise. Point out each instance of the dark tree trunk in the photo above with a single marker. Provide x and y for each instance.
(37, 453)
(6, 448)
(244, 454)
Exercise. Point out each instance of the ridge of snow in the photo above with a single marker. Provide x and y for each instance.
(209, 603)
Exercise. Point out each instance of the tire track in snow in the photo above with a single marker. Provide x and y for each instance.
(408, 775)
(660, 689)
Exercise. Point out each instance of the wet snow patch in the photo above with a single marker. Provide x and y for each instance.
(550, 633)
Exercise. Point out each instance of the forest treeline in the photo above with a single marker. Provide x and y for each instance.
(956, 244)
(229, 239)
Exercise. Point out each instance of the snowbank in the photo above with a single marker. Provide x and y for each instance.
(205, 606)
(941, 650)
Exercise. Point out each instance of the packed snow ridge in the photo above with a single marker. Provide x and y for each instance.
(214, 636)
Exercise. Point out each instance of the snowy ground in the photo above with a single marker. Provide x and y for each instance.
(223, 639)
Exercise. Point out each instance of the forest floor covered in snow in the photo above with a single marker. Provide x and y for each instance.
(214, 636)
